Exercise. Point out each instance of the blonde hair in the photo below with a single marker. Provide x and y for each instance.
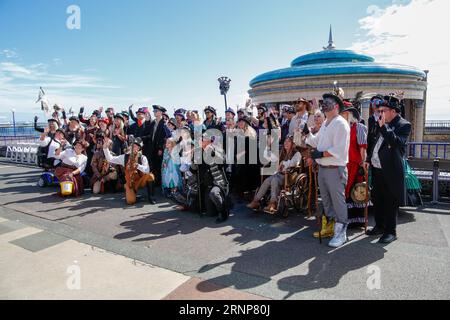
(249, 131)
(172, 142)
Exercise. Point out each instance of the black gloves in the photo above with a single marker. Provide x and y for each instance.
(64, 115)
(305, 129)
(316, 154)
(82, 110)
(36, 119)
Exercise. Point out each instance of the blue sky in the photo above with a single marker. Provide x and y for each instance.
(160, 52)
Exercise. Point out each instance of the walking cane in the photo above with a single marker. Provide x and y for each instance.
(310, 191)
(199, 193)
(316, 202)
(366, 209)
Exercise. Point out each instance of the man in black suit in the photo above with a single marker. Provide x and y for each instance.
(141, 129)
(386, 160)
(156, 140)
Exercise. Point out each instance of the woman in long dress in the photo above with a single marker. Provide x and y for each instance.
(357, 157)
(171, 174)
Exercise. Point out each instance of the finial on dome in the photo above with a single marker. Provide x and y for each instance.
(330, 41)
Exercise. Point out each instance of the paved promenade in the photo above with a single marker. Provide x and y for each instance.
(95, 247)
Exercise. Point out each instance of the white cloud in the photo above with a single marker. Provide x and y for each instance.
(19, 85)
(415, 33)
(9, 54)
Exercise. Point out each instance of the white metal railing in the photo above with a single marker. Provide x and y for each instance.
(25, 153)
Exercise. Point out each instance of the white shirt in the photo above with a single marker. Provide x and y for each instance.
(120, 160)
(375, 157)
(54, 144)
(294, 162)
(297, 122)
(333, 137)
(70, 158)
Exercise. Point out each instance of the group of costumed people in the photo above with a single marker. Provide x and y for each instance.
(159, 151)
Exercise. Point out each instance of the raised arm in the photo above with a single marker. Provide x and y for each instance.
(119, 160)
(132, 115)
(38, 129)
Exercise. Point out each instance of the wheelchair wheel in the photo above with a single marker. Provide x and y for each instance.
(283, 209)
(42, 183)
(300, 192)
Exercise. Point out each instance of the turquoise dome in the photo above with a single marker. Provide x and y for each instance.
(336, 62)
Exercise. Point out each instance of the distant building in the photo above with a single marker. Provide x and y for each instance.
(311, 75)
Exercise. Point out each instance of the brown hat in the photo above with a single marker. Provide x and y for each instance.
(303, 100)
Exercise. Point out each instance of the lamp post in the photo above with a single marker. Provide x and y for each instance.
(14, 120)
(224, 87)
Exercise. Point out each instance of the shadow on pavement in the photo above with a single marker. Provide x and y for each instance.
(257, 266)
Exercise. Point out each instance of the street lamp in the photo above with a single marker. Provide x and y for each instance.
(14, 120)
(224, 87)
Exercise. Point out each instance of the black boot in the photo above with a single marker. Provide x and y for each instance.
(150, 193)
(223, 216)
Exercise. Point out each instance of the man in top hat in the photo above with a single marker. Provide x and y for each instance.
(156, 140)
(386, 161)
(331, 153)
(213, 184)
(140, 127)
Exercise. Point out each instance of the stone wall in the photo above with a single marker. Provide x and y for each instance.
(436, 138)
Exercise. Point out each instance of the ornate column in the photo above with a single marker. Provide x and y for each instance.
(419, 120)
(365, 110)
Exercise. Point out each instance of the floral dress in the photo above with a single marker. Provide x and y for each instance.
(171, 175)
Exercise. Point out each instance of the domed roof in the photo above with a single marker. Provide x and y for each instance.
(331, 62)
(331, 56)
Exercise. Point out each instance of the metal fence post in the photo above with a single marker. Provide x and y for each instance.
(435, 181)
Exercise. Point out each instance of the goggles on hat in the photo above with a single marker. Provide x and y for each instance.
(377, 103)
